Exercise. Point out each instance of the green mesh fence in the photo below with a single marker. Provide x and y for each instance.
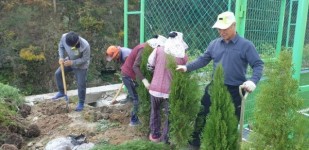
(263, 27)
(194, 18)
(290, 22)
(262, 23)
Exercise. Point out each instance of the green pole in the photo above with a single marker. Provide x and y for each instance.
(125, 24)
(280, 28)
(142, 22)
(299, 37)
(240, 12)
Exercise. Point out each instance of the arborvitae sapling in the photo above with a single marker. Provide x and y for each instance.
(184, 102)
(143, 93)
(220, 131)
(277, 124)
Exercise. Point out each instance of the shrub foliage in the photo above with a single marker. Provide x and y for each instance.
(220, 131)
(133, 145)
(10, 99)
(278, 125)
(143, 93)
(184, 103)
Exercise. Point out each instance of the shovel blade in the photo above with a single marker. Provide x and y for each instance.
(67, 102)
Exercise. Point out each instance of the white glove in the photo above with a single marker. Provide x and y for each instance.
(182, 68)
(150, 68)
(146, 83)
(249, 86)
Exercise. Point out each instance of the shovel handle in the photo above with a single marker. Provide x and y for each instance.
(242, 110)
(116, 95)
(63, 78)
(64, 87)
(241, 93)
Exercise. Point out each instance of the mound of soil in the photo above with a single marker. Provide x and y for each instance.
(52, 121)
(16, 130)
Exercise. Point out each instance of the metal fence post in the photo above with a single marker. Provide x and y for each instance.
(240, 13)
(299, 38)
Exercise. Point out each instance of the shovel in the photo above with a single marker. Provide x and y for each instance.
(242, 111)
(114, 101)
(64, 87)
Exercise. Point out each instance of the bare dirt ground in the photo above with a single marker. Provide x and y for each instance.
(107, 124)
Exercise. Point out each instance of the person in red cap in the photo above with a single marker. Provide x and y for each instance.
(117, 53)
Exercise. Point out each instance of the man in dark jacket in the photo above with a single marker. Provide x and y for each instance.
(77, 50)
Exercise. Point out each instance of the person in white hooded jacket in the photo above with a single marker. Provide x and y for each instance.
(159, 88)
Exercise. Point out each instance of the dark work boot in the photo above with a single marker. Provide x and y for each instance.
(80, 106)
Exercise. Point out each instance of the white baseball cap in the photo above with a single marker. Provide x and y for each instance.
(224, 20)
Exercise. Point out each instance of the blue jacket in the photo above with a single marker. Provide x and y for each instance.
(235, 57)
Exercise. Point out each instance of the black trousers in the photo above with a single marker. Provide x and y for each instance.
(201, 117)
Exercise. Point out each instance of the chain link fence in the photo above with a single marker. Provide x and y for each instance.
(262, 23)
(195, 18)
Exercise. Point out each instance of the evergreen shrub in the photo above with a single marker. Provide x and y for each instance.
(184, 103)
(220, 131)
(278, 125)
(143, 93)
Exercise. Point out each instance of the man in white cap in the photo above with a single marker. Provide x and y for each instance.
(235, 53)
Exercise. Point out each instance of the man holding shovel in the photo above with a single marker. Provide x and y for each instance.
(235, 53)
(77, 50)
(119, 55)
